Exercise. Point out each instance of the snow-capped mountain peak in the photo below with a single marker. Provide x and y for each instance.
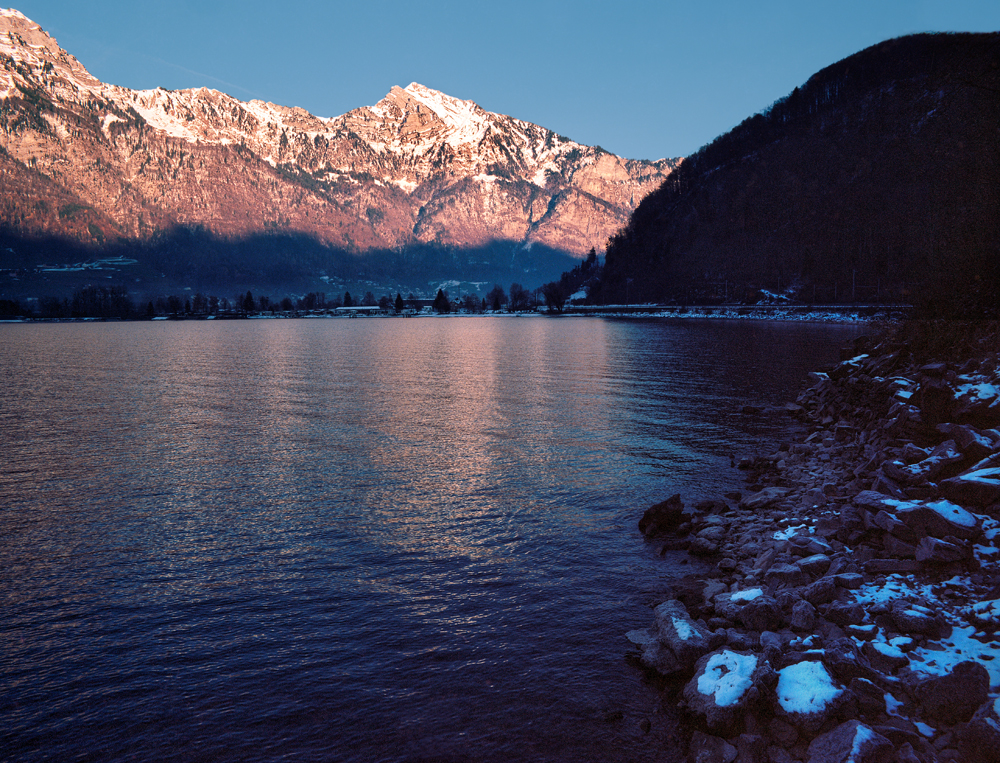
(418, 166)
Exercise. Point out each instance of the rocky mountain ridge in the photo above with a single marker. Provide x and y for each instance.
(95, 162)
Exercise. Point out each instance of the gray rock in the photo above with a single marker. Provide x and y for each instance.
(703, 547)
(785, 574)
(884, 658)
(710, 749)
(803, 616)
(849, 580)
(723, 688)
(940, 551)
(871, 699)
(764, 498)
(914, 618)
(896, 527)
(815, 565)
(659, 658)
(851, 741)
(760, 614)
(846, 613)
(977, 489)
(897, 548)
(892, 566)
(955, 697)
(979, 739)
(936, 519)
(751, 748)
(822, 591)
(679, 633)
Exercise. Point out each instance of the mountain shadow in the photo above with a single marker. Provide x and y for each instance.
(878, 180)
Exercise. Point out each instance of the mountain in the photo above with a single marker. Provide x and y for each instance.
(877, 180)
(198, 186)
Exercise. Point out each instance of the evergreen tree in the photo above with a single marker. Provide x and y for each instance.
(399, 302)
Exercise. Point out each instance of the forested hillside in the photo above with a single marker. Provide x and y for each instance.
(878, 180)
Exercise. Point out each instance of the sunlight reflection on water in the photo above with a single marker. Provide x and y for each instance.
(355, 540)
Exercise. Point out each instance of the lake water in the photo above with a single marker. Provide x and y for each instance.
(357, 540)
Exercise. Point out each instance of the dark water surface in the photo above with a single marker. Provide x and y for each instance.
(367, 540)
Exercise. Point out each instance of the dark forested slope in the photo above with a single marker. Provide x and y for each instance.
(877, 180)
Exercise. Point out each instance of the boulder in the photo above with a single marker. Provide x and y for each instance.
(849, 580)
(663, 517)
(710, 749)
(851, 741)
(978, 489)
(723, 688)
(760, 614)
(786, 575)
(679, 633)
(806, 695)
(822, 591)
(955, 697)
(803, 616)
(883, 657)
(938, 519)
(915, 618)
(815, 565)
(764, 498)
(937, 551)
(979, 739)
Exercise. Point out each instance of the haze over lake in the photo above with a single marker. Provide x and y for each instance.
(357, 540)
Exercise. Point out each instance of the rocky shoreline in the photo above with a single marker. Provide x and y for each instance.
(853, 610)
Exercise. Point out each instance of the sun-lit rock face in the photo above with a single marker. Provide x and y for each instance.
(417, 167)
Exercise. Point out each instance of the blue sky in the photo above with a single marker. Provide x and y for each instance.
(642, 79)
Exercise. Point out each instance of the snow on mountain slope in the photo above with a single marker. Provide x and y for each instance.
(418, 166)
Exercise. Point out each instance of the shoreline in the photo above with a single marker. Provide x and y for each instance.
(852, 612)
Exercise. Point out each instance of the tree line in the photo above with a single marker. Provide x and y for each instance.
(114, 303)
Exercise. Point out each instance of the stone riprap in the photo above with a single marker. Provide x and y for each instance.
(853, 612)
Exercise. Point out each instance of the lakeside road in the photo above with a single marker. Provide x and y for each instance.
(852, 612)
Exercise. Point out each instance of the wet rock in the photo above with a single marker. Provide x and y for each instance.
(851, 741)
(658, 657)
(955, 697)
(663, 517)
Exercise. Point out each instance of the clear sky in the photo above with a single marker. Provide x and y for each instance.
(644, 79)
